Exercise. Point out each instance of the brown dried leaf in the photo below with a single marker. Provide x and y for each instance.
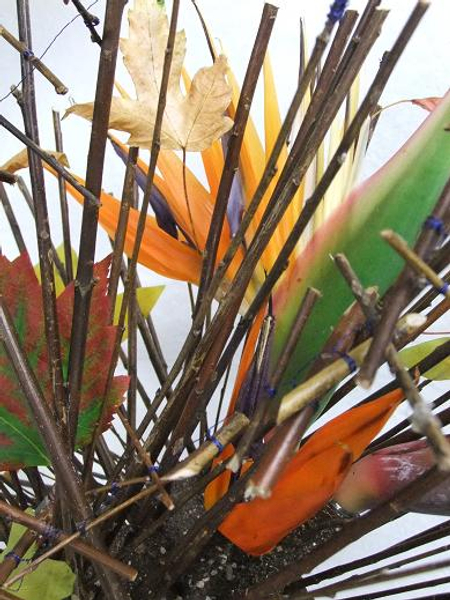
(20, 160)
(191, 122)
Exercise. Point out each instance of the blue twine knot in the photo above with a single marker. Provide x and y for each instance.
(444, 289)
(152, 469)
(337, 10)
(27, 53)
(16, 558)
(115, 487)
(81, 527)
(212, 438)
(50, 532)
(436, 225)
(272, 392)
(351, 362)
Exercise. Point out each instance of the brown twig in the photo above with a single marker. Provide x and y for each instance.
(271, 464)
(84, 279)
(234, 146)
(90, 20)
(79, 546)
(63, 201)
(49, 160)
(24, 48)
(422, 417)
(29, 111)
(14, 225)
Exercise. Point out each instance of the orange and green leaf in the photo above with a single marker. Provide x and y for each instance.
(20, 441)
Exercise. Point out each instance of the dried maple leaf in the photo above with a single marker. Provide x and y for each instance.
(20, 441)
(20, 160)
(191, 122)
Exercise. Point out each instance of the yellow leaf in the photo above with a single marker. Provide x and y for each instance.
(191, 122)
(59, 284)
(147, 297)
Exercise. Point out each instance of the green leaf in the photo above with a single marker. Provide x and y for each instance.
(20, 441)
(147, 297)
(412, 355)
(399, 196)
(52, 580)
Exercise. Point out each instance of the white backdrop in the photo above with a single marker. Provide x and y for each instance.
(423, 71)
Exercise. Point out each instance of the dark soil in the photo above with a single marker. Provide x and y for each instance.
(221, 570)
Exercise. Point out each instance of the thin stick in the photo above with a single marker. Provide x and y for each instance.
(29, 112)
(79, 546)
(234, 146)
(422, 418)
(53, 253)
(84, 280)
(14, 225)
(90, 20)
(89, 197)
(25, 50)
(415, 262)
(63, 200)
(119, 241)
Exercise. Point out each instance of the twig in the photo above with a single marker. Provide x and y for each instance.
(14, 225)
(422, 417)
(49, 160)
(234, 146)
(415, 262)
(90, 20)
(79, 546)
(380, 574)
(63, 201)
(25, 50)
(84, 279)
(277, 453)
(435, 533)
(29, 111)
(53, 253)
(119, 241)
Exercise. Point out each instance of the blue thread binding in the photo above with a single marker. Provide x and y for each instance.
(436, 225)
(81, 527)
(114, 488)
(16, 558)
(50, 532)
(27, 53)
(152, 469)
(337, 10)
(212, 438)
(444, 289)
(351, 362)
(272, 392)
